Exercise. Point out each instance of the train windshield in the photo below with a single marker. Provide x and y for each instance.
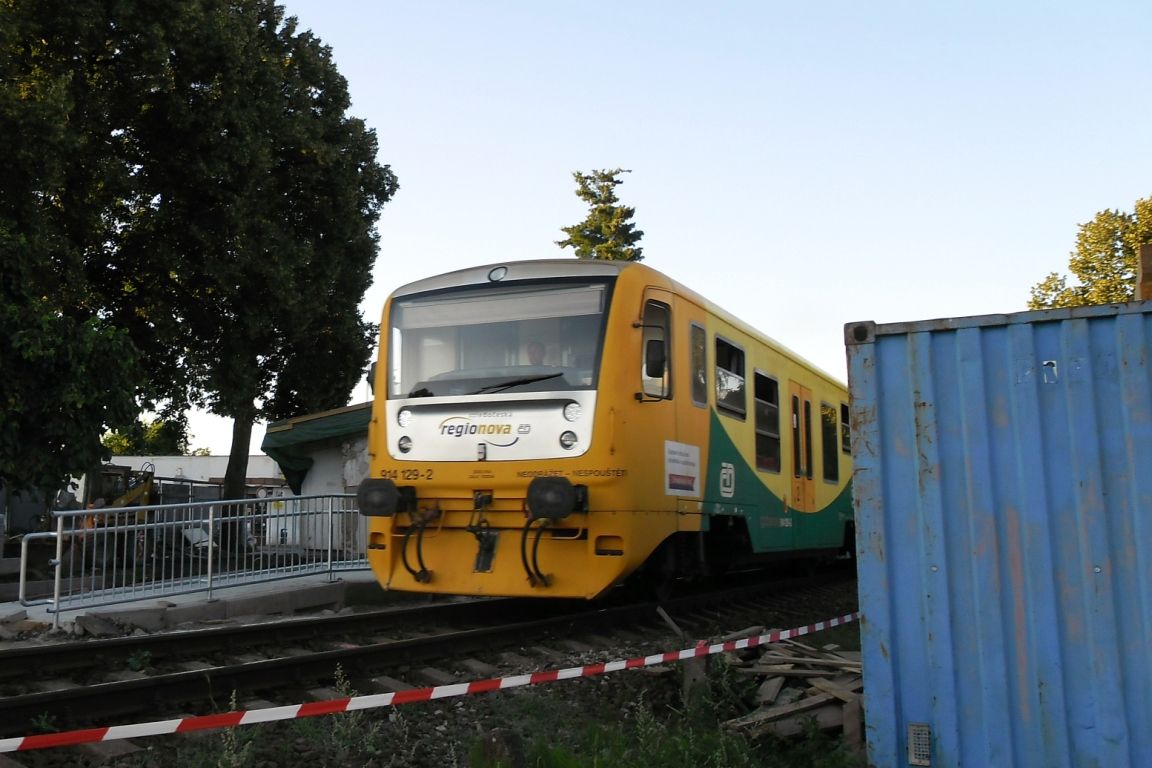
(491, 339)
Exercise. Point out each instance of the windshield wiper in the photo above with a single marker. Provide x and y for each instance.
(516, 382)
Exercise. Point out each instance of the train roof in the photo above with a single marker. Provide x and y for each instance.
(539, 269)
(536, 269)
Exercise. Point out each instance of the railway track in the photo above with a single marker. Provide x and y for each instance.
(104, 682)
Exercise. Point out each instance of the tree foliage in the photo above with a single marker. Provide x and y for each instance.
(66, 372)
(65, 380)
(1104, 264)
(608, 233)
(217, 204)
(157, 437)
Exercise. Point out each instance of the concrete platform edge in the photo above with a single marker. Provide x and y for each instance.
(284, 597)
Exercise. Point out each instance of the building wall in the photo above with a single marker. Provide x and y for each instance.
(261, 468)
(337, 468)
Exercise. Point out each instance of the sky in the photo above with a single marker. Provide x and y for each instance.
(802, 165)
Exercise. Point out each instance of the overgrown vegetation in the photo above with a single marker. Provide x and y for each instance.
(626, 720)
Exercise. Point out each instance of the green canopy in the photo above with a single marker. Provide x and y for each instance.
(291, 442)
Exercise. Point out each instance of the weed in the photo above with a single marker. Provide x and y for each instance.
(140, 660)
(812, 749)
(402, 742)
(352, 733)
(44, 722)
(644, 735)
(725, 696)
(236, 743)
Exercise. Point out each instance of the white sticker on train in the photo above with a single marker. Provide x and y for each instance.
(681, 469)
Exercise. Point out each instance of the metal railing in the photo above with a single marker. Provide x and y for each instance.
(115, 555)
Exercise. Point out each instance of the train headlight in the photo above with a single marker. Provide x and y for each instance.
(377, 497)
(568, 440)
(573, 411)
(404, 418)
(404, 444)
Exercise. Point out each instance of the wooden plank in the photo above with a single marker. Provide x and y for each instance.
(790, 695)
(776, 713)
(774, 657)
(749, 632)
(853, 717)
(798, 644)
(781, 650)
(828, 717)
(785, 670)
(769, 690)
(844, 694)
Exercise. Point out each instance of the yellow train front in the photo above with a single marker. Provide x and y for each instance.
(548, 428)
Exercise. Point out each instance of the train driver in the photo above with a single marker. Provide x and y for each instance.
(535, 351)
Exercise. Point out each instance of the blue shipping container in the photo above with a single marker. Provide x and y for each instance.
(1003, 491)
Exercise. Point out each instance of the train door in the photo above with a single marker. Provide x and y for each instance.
(657, 422)
(680, 377)
(656, 346)
(803, 485)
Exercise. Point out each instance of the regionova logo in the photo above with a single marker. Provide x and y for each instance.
(487, 431)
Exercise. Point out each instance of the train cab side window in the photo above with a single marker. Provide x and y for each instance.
(730, 396)
(845, 430)
(829, 429)
(766, 392)
(699, 366)
(656, 351)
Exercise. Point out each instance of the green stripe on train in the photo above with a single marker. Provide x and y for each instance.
(733, 487)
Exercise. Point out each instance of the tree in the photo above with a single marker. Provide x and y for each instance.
(157, 437)
(68, 374)
(608, 232)
(1104, 263)
(268, 198)
(234, 225)
(66, 379)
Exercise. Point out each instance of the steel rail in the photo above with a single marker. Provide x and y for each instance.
(211, 688)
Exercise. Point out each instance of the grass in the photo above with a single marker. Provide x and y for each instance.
(631, 721)
(690, 736)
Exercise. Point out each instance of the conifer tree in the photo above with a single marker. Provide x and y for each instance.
(608, 232)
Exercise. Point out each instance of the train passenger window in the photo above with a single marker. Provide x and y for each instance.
(699, 366)
(845, 430)
(656, 351)
(829, 427)
(766, 392)
(730, 397)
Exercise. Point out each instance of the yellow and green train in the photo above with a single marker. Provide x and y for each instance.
(550, 428)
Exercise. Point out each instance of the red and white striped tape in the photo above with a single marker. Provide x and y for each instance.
(271, 714)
